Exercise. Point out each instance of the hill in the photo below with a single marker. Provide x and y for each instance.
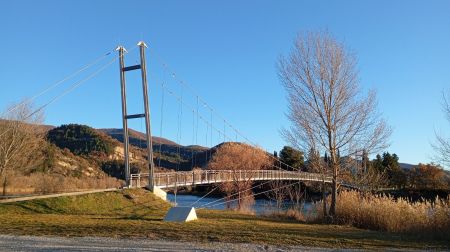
(167, 154)
(406, 166)
(81, 139)
(136, 138)
(80, 151)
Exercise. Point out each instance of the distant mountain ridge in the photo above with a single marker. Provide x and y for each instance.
(167, 154)
(406, 166)
(136, 136)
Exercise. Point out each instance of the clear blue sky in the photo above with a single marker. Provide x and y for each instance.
(227, 51)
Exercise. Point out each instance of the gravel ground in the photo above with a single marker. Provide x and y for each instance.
(42, 243)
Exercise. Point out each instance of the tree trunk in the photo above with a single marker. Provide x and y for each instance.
(239, 200)
(334, 167)
(299, 195)
(333, 196)
(5, 182)
(324, 199)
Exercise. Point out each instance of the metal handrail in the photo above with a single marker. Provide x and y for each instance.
(189, 178)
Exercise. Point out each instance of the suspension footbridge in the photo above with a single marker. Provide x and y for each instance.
(205, 177)
(176, 179)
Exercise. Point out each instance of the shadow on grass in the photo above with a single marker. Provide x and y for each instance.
(38, 206)
(131, 217)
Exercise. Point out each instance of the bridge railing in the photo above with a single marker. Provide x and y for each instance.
(191, 178)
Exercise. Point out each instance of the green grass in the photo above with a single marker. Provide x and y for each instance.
(139, 214)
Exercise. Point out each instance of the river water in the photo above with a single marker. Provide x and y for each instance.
(261, 206)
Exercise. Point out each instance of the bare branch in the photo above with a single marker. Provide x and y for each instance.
(442, 144)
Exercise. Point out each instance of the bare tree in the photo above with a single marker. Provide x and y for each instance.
(296, 195)
(326, 106)
(18, 139)
(236, 157)
(442, 144)
(278, 192)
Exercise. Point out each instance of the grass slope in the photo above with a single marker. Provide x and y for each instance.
(138, 214)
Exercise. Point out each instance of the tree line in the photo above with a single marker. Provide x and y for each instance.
(386, 166)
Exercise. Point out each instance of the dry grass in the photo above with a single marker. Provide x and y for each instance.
(138, 214)
(41, 183)
(384, 213)
(290, 214)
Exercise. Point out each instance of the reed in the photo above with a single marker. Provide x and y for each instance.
(384, 213)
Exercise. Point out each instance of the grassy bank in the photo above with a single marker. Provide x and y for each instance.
(138, 214)
(42, 183)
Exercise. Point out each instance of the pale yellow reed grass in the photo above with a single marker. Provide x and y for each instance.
(377, 212)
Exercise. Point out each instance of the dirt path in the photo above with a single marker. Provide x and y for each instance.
(41, 243)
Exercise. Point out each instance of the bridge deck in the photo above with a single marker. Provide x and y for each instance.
(191, 178)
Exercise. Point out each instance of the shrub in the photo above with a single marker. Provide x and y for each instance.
(236, 157)
(428, 177)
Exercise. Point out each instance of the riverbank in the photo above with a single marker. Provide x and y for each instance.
(136, 214)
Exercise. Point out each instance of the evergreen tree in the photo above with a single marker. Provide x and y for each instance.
(292, 157)
(314, 162)
(389, 164)
(377, 164)
(390, 161)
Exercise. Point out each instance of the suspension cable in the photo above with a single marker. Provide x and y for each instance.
(200, 117)
(234, 194)
(196, 131)
(211, 134)
(273, 189)
(161, 126)
(203, 101)
(193, 139)
(258, 185)
(193, 92)
(69, 90)
(204, 196)
(206, 143)
(76, 85)
(56, 84)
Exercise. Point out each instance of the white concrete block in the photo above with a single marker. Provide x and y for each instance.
(158, 192)
(181, 214)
